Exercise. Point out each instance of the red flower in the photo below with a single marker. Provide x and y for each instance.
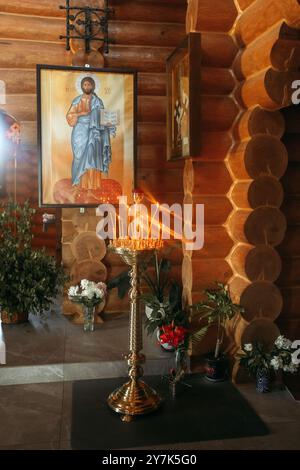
(173, 335)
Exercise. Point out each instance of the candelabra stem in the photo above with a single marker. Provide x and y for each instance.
(135, 397)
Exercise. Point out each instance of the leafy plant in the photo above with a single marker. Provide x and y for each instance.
(218, 309)
(164, 314)
(121, 282)
(29, 279)
(164, 295)
(257, 356)
(160, 282)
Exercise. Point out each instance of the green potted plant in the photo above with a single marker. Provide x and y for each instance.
(262, 362)
(29, 279)
(162, 299)
(217, 309)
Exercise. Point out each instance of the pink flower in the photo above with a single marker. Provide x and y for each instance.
(102, 286)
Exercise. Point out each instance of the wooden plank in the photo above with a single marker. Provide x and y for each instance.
(217, 244)
(129, 10)
(34, 28)
(210, 15)
(206, 272)
(211, 178)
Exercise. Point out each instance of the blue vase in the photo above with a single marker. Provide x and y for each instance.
(262, 381)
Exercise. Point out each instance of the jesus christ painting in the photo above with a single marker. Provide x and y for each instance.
(87, 132)
(90, 139)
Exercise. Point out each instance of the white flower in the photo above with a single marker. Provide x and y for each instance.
(292, 368)
(97, 293)
(89, 291)
(84, 283)
(276, 363)
(73, 291)
(248, 347)
(283, 343)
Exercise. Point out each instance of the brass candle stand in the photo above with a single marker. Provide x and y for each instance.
(135, 397)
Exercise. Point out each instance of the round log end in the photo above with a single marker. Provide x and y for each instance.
(261, 300)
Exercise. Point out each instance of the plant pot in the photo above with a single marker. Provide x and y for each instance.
(14, 318)
(263, 381)
(164, 346)
(216, 370)
(148, 311)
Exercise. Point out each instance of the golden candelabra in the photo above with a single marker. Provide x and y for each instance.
(135, 397)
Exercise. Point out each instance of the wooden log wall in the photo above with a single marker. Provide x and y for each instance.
(268, 62)
(144, 32)
(265, 61)
(207, 179)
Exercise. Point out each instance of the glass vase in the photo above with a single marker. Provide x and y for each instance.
(173, 389)
(263, 381)
(88, 318)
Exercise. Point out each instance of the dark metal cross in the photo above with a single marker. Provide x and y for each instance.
(94, 21)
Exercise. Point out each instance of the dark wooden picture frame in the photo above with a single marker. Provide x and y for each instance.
(184, 99)
(87, 139)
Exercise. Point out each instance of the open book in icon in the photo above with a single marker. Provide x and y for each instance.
(109, 118)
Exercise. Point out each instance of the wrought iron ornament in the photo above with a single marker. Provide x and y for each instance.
(86, 23)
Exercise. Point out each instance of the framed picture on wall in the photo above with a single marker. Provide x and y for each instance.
(184, 99)
(86, 135)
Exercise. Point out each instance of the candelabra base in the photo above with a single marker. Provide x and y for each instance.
(134, 398)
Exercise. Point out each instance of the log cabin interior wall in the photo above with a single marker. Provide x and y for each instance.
(145, 32)
(207, 179)
(266, 61)
(250, 57)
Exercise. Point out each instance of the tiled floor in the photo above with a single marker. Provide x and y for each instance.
(55, 340)
(36, 415)
(54, 350)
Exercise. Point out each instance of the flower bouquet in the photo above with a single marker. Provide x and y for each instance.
(282, 356)
(177, 337)
(261, 362)
(89, 294)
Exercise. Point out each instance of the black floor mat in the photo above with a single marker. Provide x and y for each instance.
(204, 411)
